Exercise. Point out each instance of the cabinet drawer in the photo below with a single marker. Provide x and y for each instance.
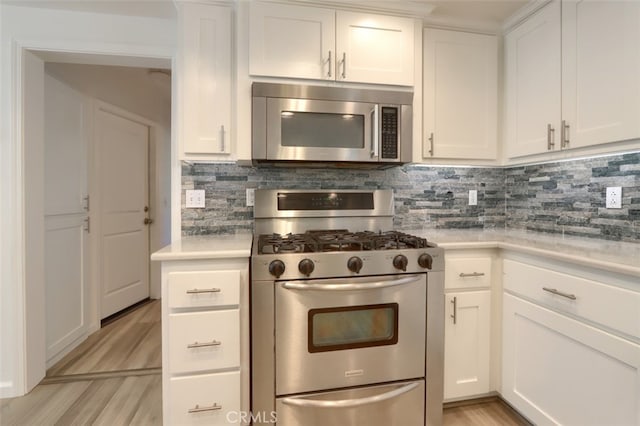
(613, 307)
(203, 288)
(204, 341)
(467, 272)
(202, 395)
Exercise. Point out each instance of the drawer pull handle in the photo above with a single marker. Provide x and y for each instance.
(559, 293)
(473, 274)
(199, 409)
(203, 345)
(203, 290)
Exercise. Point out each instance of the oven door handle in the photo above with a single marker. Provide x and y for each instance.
(346, 403)
(305, 285)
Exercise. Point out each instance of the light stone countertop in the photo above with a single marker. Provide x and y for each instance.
(207, 247)
(614, 256)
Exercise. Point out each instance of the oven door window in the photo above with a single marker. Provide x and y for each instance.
(322, 130)
(351, 327)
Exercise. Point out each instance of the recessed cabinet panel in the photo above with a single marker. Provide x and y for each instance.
(533, 84)
(291, 41)
(560, 371)
(467, 272)
(460, 95)
(577, 296)
(212, 399)
(202, 341)
(189, 289)
(374, 48)
(205, 80)
(467, 343)
(601, 71)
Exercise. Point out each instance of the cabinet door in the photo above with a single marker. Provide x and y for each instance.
(374, 48)
(557, 370)
(601, 71)
(467, 344)
(460, 95)
(204, 81)
(291, 41)
(532, 58)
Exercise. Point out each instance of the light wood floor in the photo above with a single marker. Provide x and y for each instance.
(128, 343)
(487, 413)
(135, 400)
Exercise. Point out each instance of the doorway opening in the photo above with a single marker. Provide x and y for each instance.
(106, 206)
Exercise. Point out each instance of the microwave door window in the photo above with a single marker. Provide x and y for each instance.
(322, 130)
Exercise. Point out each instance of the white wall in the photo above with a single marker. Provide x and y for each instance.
(113, 39)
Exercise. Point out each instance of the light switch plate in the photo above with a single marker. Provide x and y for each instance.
(614, 197)
(251, 197)
(473, 197)
(194, 198)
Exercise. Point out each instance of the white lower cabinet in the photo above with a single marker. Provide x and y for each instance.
(467, 343)
(204, 325)
(558, 365)
(467, 331)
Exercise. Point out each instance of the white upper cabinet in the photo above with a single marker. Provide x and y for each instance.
(324, 44)
(600, 71)
(374, 48)
(204, 81)
(460, 95)
(573, 77)
(532, 58)
(291, 41)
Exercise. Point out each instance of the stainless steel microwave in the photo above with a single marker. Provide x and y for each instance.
(297, 123)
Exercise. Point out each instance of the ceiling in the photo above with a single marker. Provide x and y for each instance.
(481, 14)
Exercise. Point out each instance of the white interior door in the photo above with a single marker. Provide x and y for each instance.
(122, 150)
(65, 216)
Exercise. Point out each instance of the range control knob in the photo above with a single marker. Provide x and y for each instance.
(400, 262)
(425, 261)
(276, 268)
(306, 266)
(354, 264)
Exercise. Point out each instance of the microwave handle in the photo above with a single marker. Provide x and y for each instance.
(375, 134)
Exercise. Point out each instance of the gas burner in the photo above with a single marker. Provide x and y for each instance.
(337, 240)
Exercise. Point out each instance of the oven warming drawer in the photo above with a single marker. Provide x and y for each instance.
(390, 404)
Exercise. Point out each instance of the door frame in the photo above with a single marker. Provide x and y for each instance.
(25, 297)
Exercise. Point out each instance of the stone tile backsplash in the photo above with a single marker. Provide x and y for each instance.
(562, 197)
(569, 197)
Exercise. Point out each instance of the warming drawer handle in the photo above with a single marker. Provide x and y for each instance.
(305, 285)
(346, 403)
(560, 293)
(199, 409)
(203, 290)
(203, 344)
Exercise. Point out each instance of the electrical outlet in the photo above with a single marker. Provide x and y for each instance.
(614, 197)
(473, 197)
(194, 198)
(251, 197)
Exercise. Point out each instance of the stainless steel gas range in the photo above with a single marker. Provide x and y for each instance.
(347, 315)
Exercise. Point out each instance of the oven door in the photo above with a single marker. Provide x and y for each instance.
(346, 332)
(312, 130)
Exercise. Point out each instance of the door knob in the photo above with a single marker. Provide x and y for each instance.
(148, 221)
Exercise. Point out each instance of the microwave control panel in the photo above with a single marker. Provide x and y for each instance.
(389, 132)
